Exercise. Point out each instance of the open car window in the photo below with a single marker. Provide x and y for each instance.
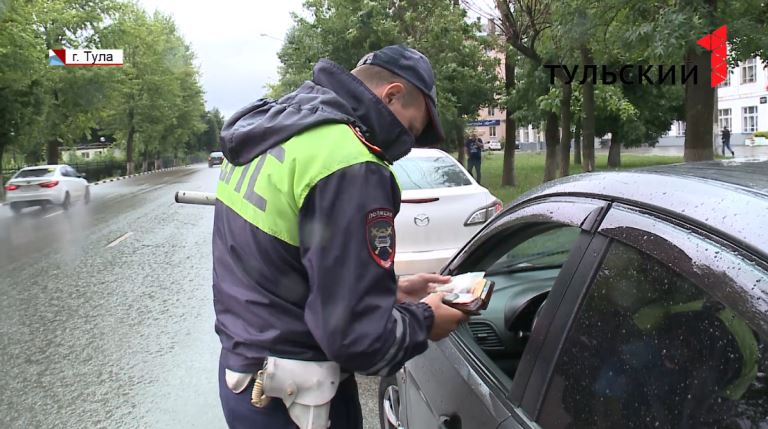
(524, 266)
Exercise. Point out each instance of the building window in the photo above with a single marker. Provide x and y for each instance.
(681, 128)
(749, 71)
(491, 111)
(86, 155)
(724, 118)
(750, 119)
(492, 131)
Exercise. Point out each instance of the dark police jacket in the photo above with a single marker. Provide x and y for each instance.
(303, 235)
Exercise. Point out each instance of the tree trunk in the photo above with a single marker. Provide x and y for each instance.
(565, 130)
(2, 178)
(614, 152)
(145, 161)
(588, 120)
(552, 141)
(508, 169)
(577, 143)
(699, 106)
(52, 152)
(129, 147)
(462, 150)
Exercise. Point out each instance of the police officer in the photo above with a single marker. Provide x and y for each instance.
(304, 240)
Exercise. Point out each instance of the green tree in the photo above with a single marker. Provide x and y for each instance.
(665, 32)
(156, 105)
(71, 91)
(22, 102)
(345, 30)
(208, 140)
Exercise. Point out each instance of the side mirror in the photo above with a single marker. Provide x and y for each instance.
(81, 175)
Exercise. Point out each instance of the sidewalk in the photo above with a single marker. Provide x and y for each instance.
(112, 179)
(741, 151)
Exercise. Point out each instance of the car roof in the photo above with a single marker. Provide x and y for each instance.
(35, 167)
(728, 198)
(425, 152)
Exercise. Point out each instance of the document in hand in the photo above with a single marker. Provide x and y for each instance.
(468, 292)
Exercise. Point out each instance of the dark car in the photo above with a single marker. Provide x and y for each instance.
(623, 300)
(215, 158)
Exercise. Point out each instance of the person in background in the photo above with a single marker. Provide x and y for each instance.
(474, 156)
(726, 136)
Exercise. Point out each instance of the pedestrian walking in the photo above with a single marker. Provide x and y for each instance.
(726, 136)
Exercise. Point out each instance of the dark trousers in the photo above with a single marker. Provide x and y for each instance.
(474, 163)
(727, 144)
(240, 414)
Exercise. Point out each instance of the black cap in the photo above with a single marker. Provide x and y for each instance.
(414, 67)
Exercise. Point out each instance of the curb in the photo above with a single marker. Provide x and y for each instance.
(112, 179)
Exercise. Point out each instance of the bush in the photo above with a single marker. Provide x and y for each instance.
(761, 134)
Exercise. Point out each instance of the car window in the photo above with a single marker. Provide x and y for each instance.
(649, 349)
(429, 172)
(32, 173)
(217, 154)
(548, 249)
(524, 266)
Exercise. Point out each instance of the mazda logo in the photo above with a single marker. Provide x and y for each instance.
(421, 220)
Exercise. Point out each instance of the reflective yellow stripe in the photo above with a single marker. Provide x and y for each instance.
(284, 176)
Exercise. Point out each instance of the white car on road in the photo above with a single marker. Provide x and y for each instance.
(45, 185)
(442, 208)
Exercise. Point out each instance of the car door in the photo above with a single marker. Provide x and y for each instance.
(79, 182)
(666, 327)
(74, 184)
(66, 182)
(457, 383)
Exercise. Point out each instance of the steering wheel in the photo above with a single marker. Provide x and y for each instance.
(521, 314)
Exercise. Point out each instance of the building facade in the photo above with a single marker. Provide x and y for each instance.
(742, 105)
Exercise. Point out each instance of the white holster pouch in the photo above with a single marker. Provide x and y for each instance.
(305, 387)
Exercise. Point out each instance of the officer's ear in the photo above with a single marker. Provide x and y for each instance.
(392, 92)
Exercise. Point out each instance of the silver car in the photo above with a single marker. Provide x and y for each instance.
(46, 185)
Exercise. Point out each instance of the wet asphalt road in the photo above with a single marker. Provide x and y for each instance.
(106, 317)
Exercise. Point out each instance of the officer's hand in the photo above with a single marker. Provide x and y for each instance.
(447, 319)
(416, 287)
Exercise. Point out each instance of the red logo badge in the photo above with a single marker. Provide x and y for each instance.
(716, 42)
(380, 230)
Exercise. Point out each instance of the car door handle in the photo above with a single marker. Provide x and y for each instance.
(450, 422)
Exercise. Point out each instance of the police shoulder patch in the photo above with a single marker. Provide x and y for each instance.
(380, 231)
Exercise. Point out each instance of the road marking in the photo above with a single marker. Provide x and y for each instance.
(54, 213)
(121, 238)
